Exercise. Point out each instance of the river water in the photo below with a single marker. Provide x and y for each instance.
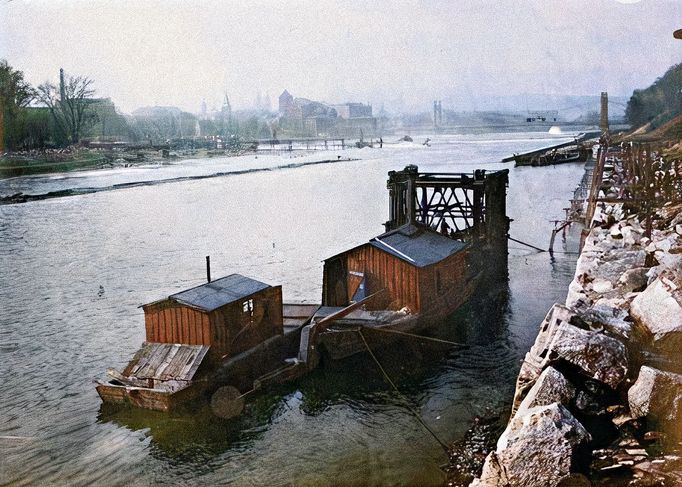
(75, 269)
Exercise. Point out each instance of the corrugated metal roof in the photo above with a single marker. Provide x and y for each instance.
(419, 246)
(216, 294)
(166, 361)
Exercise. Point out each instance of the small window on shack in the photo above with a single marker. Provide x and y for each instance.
(439, 282)
(247, 307)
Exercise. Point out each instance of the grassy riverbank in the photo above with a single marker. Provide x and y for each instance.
(23, 164)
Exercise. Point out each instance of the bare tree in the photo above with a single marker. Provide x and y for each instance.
(70, 107)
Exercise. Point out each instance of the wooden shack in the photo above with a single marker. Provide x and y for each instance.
(231, 315)
(417, 267)
(188, 333)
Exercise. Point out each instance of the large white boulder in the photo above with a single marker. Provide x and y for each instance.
(658, 310)
(550, 387)
(610, 314)
(632, 279)
(656, 394)
(536, 449)
(596, 355)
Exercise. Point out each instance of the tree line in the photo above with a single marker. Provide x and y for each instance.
(51, 115)
(658, 103)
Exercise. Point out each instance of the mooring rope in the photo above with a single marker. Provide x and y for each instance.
(421, 337)
(526, 244)
(566, 252)
(405, 400)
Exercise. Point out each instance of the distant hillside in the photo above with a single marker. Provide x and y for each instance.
(659, 103)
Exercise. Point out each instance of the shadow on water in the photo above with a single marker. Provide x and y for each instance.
(194, 434)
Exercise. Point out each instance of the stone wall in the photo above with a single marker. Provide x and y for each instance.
(599, 395)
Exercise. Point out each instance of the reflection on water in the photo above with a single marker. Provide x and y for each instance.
(75, 269)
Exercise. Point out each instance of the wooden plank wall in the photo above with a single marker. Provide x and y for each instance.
(451, 273)
(169, 322)
(230, 320)
(384, 271)
(334, 282)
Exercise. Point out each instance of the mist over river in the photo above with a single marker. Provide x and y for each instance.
(75, 269)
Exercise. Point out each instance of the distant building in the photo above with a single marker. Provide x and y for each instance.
(286, 104)
(353, 110)
(437, 113)
(156, 112)
(308, 118)
(355, 120)
(109, 123)
(357, 127)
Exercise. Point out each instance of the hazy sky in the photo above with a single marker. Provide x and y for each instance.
(178, 53)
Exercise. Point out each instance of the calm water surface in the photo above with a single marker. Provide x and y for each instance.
(75, 269)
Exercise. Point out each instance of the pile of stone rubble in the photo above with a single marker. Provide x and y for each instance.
(599, 395)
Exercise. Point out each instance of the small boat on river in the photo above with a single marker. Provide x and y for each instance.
(213, 328)
(581, 154)
(578, 150)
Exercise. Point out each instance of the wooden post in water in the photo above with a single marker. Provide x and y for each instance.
(411, 192)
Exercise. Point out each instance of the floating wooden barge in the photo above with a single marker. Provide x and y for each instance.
(548, 158)
(443, 230)
(578, 150)
(190, 334)
(445, 233)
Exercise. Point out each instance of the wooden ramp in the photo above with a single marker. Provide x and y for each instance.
(159, 376)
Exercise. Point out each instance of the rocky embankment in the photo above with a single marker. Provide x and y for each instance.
(599, 395)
